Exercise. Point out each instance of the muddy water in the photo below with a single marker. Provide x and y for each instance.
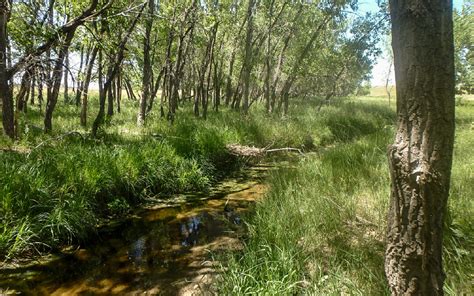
(163, 249)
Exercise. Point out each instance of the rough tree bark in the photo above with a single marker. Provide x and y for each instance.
(420, 158)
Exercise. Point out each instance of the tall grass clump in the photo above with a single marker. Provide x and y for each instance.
(55, 195)
(320, 229)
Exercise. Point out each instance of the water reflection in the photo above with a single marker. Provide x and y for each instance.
(162, 249)
(190, 231)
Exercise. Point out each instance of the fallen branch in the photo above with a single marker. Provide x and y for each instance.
(240, 150)
(287, 149)
(54, 139)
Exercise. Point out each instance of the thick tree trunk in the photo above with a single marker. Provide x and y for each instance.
(420, 158)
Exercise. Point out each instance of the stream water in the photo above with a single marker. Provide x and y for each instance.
(164, 248)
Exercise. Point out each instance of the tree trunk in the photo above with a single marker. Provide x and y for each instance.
(147, 66)
(53, 91)
(85, 86)
(5, 94)
(155, 90)
(110, 101)
(247, 67)
(80, 79)
(66, 84)
(112, 73)
(33, 86)
(421, 156)
(40, 88)
(24, 92)
(118, 91)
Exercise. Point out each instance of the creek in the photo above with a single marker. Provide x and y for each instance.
(166, 247)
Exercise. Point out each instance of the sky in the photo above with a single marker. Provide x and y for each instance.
(380, 70)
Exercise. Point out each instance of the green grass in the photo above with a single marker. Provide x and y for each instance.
(55, 189)
(320, 230)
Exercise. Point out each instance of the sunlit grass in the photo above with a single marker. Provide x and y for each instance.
(321, 228)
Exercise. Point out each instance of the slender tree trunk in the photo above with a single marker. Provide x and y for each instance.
(421, 156)
(41, 76)
(118, 90)
(147, 66)
(85, 86)
(112, 73)
(110, 100)
(53, 93)
(80, 79)
(5, 94)
(23, 93)
(33, 86)
(248, 64)
(66, 75)
(299, 61)
(128, 86)
(228, 90)
(156, 88)
(48, 79)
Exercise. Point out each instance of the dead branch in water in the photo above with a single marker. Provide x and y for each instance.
(240, 150)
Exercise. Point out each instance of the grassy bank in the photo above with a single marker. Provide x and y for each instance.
(320, 230)
(56, 188)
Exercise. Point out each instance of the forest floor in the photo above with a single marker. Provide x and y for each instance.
(320, 227)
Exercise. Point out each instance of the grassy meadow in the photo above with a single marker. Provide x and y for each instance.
(319, 230)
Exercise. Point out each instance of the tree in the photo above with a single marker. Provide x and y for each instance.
(464, 55)
(147, 66)
(421, 156)
(66, 31)
(5, 95)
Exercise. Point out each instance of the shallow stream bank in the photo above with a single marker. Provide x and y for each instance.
(164, 248)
